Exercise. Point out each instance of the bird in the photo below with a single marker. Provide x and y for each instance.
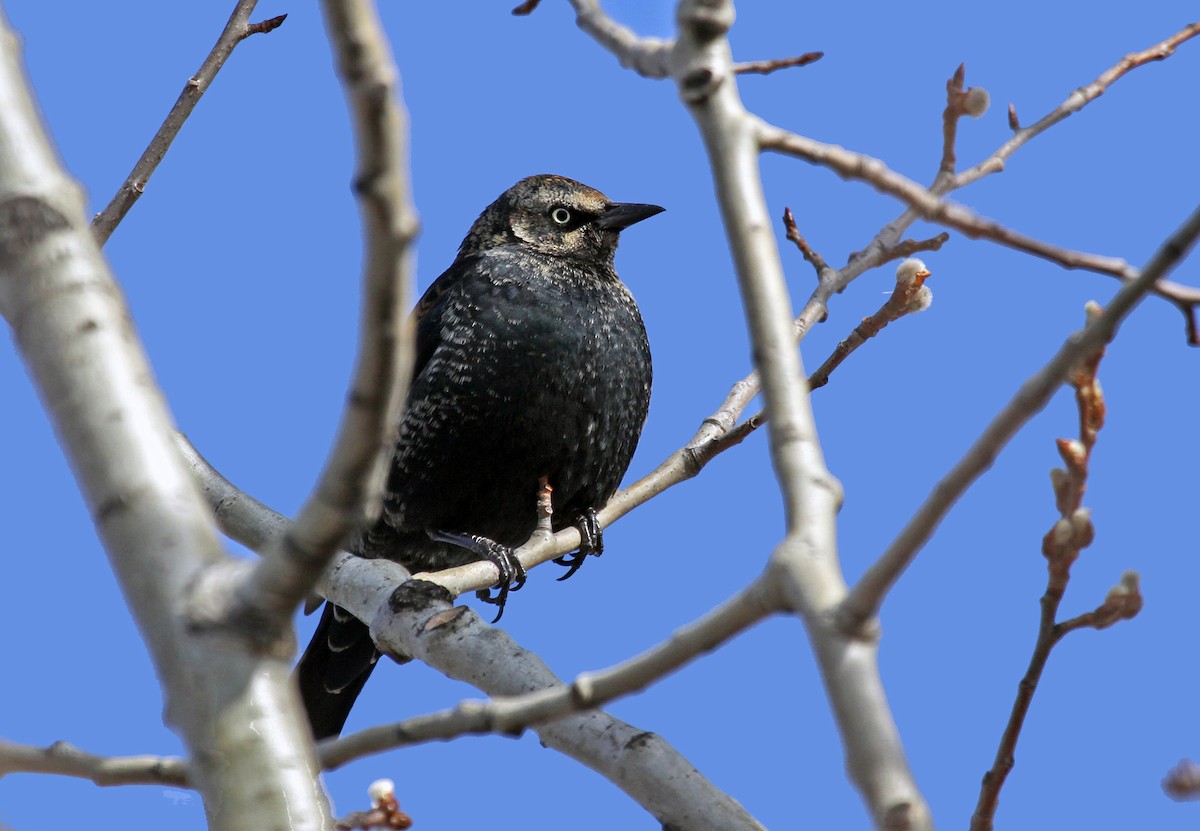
(532, 368)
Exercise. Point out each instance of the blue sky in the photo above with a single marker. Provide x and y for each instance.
(241, 267)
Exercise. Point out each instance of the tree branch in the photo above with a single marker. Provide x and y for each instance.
(234, 706)
(776, 64)
(1074, 102)
(648, 57)
(1061, 546)
(236, 30)
(866, 596)
(910, 296)
(415, 619)
(64, 759)
(350, 489)
(930, 206)
(804, 566)
(511, 716)
(721, 431)
(886, 243)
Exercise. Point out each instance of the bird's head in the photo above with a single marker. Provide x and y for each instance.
(557, 216)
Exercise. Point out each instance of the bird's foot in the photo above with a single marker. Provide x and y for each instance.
(591, 542)
(512, 573)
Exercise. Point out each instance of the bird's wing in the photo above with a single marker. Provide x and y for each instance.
(427, 315)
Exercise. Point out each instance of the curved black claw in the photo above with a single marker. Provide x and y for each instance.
(591, 542)
(512, 573)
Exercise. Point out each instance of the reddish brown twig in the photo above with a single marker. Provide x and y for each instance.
(793, 234)
(1061, 546)
(263, 26)
(911, 295)
(526, 7)
(767, 67)
(972, 101)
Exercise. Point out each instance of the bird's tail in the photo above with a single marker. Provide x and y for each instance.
(334, 668)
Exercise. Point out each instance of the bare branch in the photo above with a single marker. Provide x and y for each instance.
(415, 619)
(793, 234)
(236, 30)
(233, 705)
(1186, 299)
(1123, 602)
(729, 136)
(908, 247)
(850, 165)
(954, 110)
(511, 716)
(804, 565)
(767, 67)
(1061, 546)
(648, 57)
(64, 759)
(721, 430)
(350, 489)
(911, 295)
(864, 599)
(1076, 101)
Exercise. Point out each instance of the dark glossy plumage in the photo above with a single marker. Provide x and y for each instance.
(532, 361)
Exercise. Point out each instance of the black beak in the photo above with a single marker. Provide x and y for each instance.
(620, 215)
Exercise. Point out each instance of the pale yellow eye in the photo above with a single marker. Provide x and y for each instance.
(560, 215)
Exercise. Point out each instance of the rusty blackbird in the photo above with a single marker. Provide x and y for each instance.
(531, 362)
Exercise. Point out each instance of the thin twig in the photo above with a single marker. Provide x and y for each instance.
(863, 601)
(794, 236)
(908, 247)
(959, 102)
(648, 57)
(1186, 299)
(954, 111)
(927, 204)
(911, 295)
(65, 759)
(236, 30)
(769, 66)
(1061, 546)
(1074, 102)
